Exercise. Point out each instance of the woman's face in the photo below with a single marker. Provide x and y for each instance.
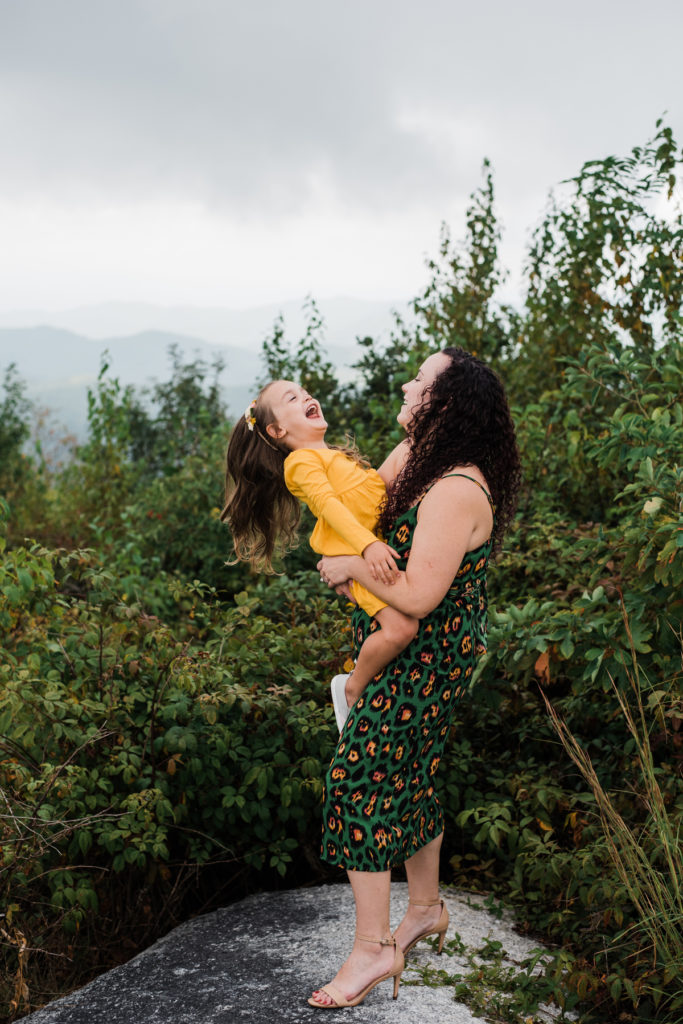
(416, 391)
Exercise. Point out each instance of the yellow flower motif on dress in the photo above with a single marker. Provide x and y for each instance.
(428, 688)
(369, 809)
(381, 838)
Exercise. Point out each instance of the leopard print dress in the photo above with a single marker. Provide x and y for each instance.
(380, 806)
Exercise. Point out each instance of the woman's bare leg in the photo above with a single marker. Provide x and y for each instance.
(379, 648)
(367, 960)
(422, 870)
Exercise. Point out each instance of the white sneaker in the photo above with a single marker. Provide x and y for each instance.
(341, 708)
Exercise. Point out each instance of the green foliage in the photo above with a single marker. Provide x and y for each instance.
(504, 990)
(128, 750)
(172, 418)
(605, 264)
(14, 429)
(22, 480)
(646, 854)
(146, 488)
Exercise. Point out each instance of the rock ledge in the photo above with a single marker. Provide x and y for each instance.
(258, 960)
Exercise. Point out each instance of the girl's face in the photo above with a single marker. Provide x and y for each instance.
(296, 419)
(416, 391)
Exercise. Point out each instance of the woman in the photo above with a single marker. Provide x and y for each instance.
(454, 492)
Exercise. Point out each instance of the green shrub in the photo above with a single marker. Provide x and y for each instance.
(129, 751)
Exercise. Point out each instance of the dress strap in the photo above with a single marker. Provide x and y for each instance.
(467, 477)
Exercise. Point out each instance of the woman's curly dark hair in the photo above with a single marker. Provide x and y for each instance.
(465, 421)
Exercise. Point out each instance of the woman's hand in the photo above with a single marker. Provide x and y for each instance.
(335, 569)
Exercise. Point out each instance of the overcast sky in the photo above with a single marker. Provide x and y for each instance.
(240, 152)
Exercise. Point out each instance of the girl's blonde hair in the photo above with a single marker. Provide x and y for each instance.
(262, 514)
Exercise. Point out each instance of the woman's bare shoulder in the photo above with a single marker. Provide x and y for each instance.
(461, 478)
(458, 501)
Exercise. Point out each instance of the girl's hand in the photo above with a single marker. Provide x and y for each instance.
(380, 560)
(335, 569)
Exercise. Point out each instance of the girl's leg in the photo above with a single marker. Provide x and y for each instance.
(367, 960)
(422, 870)
(395, 633)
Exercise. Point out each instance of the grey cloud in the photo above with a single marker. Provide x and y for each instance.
(242, 104)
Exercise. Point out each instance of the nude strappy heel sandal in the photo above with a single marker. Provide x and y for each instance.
(340, 1000)
(439, 929)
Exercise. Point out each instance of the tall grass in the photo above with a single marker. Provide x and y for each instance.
(647, 855)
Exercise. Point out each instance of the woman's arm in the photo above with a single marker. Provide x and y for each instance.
(454, 518)
(394, 463)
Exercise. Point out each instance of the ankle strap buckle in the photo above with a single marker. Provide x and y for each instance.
(391, 941)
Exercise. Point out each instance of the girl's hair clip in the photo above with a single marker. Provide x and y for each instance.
(249, 417)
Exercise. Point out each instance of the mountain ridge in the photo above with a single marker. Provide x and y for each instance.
(58, 363)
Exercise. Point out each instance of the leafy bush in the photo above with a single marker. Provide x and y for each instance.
(129, 751)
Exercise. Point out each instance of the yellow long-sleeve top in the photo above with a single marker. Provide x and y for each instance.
(344, 498)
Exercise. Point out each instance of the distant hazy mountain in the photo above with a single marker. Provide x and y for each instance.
(59, 354)
(50, 356)
(59, 366)
(345, 318)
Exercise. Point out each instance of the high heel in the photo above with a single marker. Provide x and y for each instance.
(439, 929)
(340, 1000)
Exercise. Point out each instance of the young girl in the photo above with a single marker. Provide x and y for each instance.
(276, 455)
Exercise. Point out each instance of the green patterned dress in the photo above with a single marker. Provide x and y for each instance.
(380, 806)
